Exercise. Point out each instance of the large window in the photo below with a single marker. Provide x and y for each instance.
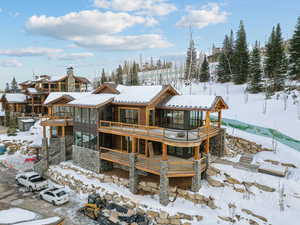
(85, 140)
(180, 119)
(85, 115)
(93, 116)
(129, 116)
(77, 115)
(63, 110)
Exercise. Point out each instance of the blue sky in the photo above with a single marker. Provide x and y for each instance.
(44, 37)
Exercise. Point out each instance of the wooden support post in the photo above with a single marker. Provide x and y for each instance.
(133, 147)
(197, 153)
(32, 102)
(63, 131)
(51, 132)
(147, 116)
(219, 118)
(44, 131)
(164, 152)
(146, 149)
(207, 119)
(207, 146)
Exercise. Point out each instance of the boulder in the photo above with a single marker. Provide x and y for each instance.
(214, 183)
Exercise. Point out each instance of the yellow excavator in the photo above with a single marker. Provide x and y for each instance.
(93, 207)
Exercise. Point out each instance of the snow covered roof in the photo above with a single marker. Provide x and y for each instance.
(32, 90)
(137, 94)
(55, 95)
(92, 99)
(191, 101)
(56, 78)
(15, 98)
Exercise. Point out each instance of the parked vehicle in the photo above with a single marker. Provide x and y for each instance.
(32, 181)
(56, 196)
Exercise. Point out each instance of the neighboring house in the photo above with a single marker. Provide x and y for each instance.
(37, 90)
(13, 102)
(144, 129)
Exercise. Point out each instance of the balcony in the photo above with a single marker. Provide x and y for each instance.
(177, 167)
(58, 119)
(182, 138)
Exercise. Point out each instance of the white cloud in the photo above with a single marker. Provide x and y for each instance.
(206, 15)
(99, 30)
(72, 56)
(84, 23)
(31, 51)
(143, 7)
(134, 42)
(10, 63)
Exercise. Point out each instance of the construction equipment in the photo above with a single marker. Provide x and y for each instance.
(93, 207)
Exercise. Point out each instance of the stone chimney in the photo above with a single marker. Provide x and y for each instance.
(70, 71)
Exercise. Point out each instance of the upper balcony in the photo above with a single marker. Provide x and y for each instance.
(180, 138)
(58, 119)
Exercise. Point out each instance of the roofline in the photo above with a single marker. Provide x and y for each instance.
(56, 99)
(164, 89)
(91, 106)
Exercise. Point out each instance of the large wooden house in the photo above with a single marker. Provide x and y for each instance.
(143, 129)
(34, 92)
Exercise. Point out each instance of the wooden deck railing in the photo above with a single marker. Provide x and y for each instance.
(176, 166)
(172, 134)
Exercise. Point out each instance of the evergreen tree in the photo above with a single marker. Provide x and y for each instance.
(14, 85)
(224, 69)
(135, 70)
(276, 61)
(241, 57)
(255, 71)
(191, 62)
(294, 50)
(119, 78)
(204, 71)
(158, 64)
(103, 77)
(7, 89)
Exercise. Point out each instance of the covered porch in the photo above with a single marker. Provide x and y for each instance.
(177, 167)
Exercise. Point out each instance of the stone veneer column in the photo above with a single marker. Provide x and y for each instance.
(196, 180)
(222, 142)
(164, 183)
(45, 151)
(133, 176)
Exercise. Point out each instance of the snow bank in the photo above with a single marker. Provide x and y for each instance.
(15, 215)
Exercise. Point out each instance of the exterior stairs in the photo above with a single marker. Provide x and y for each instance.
(245, 163)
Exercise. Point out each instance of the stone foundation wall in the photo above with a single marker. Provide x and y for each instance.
(157, 217)
(86, 158)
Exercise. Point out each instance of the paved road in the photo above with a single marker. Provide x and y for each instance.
(11, 195)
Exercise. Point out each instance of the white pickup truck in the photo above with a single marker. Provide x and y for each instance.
(32, 181)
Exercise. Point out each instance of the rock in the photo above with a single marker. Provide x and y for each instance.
(212, 171)
(252, 222)
(199, 218)
(163, 215)
(227, 218)
(231, 206)
(289, 165)
(185, 216)
(274, 162)
(211, 204)
(249, 212)
(153, 214)
(264, 187)
(241, 190)
(214, 183)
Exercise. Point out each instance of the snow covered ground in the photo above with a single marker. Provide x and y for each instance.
(251, 111)
(279, 207)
